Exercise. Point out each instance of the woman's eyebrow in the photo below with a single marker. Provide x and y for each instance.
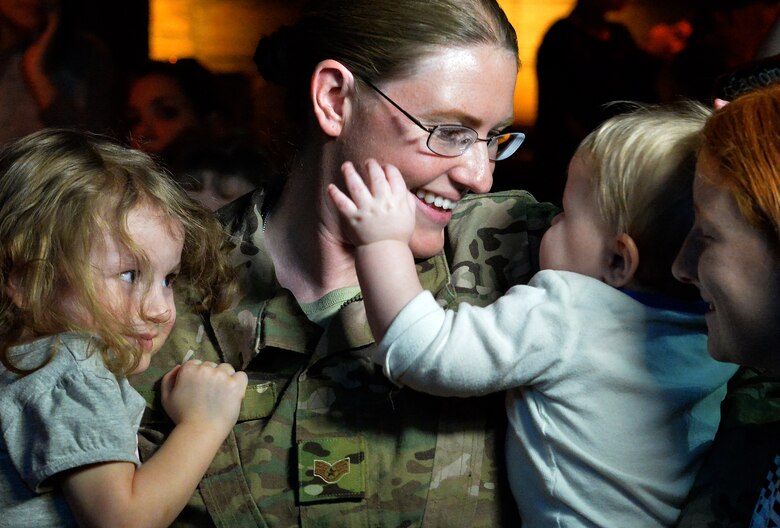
(457, 116)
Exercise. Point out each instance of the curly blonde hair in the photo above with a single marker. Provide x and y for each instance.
(60, 192)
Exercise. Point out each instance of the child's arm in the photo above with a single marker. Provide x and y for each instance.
(204, 401)
(380, 222)
(421, 345)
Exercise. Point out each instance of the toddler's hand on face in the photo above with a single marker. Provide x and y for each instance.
(205, 394)
(383, 210)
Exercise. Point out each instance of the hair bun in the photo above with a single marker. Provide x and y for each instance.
(274, 55)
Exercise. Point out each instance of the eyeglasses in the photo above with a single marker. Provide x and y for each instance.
(452, 141)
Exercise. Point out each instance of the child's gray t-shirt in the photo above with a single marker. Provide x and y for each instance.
(69, 413)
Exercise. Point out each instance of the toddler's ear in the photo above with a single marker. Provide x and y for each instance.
(624, 261)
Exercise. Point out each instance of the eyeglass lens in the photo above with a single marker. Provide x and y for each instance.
(454, 140)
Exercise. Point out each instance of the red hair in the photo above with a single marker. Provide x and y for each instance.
(743, 141)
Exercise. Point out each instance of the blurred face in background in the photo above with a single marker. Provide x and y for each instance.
(158, 112)
(28, 16)
(213, 189)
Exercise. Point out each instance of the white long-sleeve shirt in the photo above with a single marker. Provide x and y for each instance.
(611, 402)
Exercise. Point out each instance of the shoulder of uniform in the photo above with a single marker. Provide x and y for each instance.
(501, 209)
(244, 213)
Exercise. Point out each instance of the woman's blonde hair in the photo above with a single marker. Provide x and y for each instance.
(643, 164)
(60, 192)
(743, 140)
(378, 40)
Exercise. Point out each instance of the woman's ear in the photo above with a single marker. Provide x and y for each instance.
(331, 84)
(623, 261)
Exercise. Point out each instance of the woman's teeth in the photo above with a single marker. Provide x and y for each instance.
(438, 201)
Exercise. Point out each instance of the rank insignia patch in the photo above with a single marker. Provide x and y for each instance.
(331, 469)
(331, 473)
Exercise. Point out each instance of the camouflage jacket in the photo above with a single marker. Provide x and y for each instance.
(742, 454)
(323, 438)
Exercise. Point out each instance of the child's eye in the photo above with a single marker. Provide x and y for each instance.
(170, 280)
(129, 276)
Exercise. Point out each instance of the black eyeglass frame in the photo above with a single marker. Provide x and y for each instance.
(430, 130)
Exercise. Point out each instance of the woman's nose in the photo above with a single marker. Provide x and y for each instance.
(143, 128)
(475, 170)
(686, 263)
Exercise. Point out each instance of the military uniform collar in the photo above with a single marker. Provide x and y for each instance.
(268, 315)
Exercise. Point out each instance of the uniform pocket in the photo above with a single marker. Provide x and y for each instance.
(331, 469)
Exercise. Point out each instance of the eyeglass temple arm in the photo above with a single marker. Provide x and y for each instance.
(404, 112)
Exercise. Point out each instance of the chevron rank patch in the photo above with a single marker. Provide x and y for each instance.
(331, 469)
(331, 473)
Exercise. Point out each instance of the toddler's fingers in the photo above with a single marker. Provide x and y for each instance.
(341, 201)
(169, 381)
(377, 179)
(227, 368)
(398, 186)
(395, 180)
(719, 103)
(411, 201)
(242, 380)
(358, 191)
(236, 386)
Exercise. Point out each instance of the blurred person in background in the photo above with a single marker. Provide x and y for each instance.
(217, 172)
(167, 101)
(584, 61)
(51, 74)
(727, 35)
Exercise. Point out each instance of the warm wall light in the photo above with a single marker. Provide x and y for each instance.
(222, 34)
(170, 30)
(531, 19)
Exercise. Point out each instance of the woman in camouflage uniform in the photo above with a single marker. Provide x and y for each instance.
(323, 438)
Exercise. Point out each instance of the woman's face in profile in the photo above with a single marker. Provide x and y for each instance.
(736, 267)
(158, 112)
(471, 86)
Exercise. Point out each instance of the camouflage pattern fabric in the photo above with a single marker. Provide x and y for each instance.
(324, 439)
(493, 243)
(742, 453)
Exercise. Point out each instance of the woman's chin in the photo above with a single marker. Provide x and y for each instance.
(427, 243)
